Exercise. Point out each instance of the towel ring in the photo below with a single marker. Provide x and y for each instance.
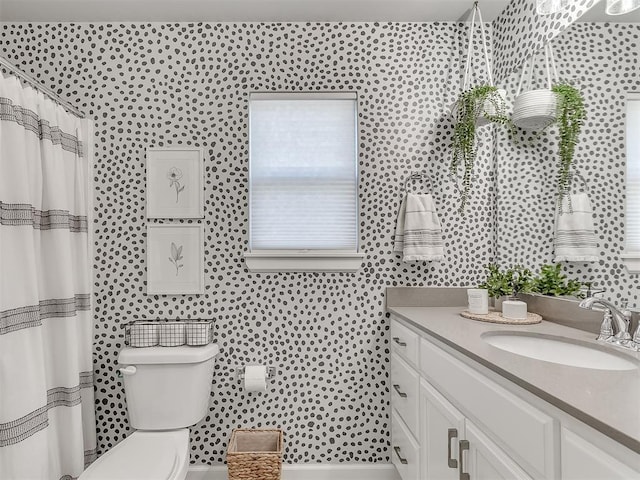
(418, 176)
(573, 176)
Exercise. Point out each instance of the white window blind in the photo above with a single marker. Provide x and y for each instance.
(633, 174)
(303, 171)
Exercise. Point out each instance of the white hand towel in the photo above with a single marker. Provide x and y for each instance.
(418, 231)
(575, 239)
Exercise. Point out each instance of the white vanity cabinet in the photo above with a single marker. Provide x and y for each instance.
(470, 423)
(405, 401)
(582, 460)
(428, 432)
(453, 448)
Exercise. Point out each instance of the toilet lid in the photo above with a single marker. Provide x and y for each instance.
(161, 455)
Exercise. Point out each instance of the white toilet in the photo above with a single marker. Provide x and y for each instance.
(167, 390)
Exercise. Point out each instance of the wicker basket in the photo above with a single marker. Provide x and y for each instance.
(255, 454)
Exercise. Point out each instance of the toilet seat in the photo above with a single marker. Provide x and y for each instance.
(144, 455)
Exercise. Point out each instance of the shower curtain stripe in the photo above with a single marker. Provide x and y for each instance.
(47, 418)
(18, 215)
(32, 315)
(33, 123)
(90, 456)
(18, 430)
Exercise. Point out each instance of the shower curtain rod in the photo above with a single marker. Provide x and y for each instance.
(38, 86)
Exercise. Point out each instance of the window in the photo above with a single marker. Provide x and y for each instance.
(631, 257)
(303, 182)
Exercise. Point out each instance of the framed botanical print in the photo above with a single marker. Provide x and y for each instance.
(175, 259)
(175, 183)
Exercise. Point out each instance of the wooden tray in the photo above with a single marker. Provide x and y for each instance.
(496, 317)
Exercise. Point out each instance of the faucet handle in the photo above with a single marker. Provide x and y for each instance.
(635, 341)
(606, 329)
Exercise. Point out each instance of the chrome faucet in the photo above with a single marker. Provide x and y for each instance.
(621, 320)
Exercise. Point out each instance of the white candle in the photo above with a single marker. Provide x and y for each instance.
(514, 310)
(478, 300)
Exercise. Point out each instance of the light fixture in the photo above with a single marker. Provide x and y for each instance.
(620, 7)
(549, 7)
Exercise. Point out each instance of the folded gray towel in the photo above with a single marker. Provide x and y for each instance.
(575, 239)
(418, 231)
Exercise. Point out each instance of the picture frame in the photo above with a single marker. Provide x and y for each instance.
(175, 183)
(175, 259)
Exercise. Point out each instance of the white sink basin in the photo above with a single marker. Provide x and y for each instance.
(559, 350)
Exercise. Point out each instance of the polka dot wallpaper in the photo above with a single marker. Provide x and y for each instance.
(602, 60)
(155, 85)
(519, 32)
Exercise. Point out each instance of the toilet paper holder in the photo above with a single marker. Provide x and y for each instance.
(271, 373)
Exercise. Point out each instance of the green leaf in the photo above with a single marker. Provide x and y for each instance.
(551, 281)
(570, 117)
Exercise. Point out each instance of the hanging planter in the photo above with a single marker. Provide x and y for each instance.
(560, 103)
(496, 103)
(536, 109)
(475, 107)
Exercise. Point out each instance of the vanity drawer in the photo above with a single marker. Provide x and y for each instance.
(522, 430)
(405, 454)
(405, 388)
(404, 342)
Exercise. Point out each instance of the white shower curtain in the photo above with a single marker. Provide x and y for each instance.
(47, 420)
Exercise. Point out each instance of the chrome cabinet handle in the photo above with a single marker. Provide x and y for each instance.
(451, 434)
(464, 445)
(400, 392)
(399, 342)
(402, 460)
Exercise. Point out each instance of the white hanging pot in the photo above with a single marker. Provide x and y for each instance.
(536, 109)
(490, 107)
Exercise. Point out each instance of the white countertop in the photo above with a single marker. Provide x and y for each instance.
(608, 401)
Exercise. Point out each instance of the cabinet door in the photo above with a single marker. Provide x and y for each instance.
(484, 460)
(581, 460)
(442, 428)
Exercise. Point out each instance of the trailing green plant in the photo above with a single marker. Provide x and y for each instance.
(471, 105)
(551, 281)
(569, 118)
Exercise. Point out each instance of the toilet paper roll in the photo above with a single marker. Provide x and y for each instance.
(255, 378)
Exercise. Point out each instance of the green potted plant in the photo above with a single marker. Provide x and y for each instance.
(474, 106)
(506, 284)
(521, 281)
(569, 119)
(552, 282)
(498, 283)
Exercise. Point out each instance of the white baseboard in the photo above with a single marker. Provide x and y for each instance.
(311, 471)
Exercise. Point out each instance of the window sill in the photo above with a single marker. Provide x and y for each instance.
(303, 261)
(631, 261)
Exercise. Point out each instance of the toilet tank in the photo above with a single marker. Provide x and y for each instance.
(169, 387)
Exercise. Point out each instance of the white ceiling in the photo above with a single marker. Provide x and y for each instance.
(262, 10)
(242, 10)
